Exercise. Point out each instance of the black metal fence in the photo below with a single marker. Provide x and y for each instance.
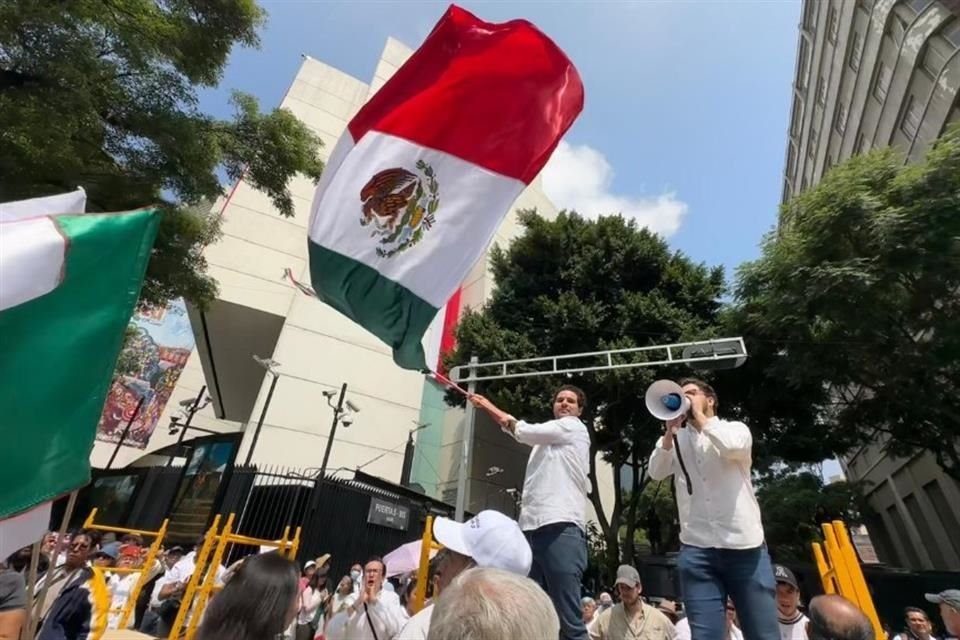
(351, 519)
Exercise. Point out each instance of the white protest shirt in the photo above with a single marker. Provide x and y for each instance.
(417, 627)
(181, 572)
(556, 485)
(723, 511)
(386, 614)
(683, 631)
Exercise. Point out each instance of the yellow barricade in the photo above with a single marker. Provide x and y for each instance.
(427, 543)
(203, 583)
(153, 551)
(840, 572)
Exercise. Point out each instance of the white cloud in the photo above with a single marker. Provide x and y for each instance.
(579, 177)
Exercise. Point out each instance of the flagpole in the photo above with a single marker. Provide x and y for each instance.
(33, 613)
(32, 576)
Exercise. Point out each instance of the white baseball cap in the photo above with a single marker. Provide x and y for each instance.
(492, 539)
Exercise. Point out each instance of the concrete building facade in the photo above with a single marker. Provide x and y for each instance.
(871, 74)
(259, 313)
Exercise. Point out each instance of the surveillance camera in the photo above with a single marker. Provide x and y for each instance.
(174, 430)
(328, 393)
(186, 403)
(346, 420)
(353, 407)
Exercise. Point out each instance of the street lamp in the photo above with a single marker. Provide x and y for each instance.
(343, 413)
(188, 409)
(269, 364)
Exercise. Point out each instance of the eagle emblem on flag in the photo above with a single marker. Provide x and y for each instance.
(401, 205)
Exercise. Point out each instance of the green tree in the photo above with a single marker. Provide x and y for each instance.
(855, 301)
(794, 503)
(103, 94)
(573, 285)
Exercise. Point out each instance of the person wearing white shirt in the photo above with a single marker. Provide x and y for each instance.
(793, 624)
(722, 551)
(489, 539)
(377, 613)
(553, 510)
(733, 631)
(170, 587)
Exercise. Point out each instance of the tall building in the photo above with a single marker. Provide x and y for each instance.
(259, 313)
(871, 74)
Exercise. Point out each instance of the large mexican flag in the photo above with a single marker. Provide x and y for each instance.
(418, 183)
(69, 283)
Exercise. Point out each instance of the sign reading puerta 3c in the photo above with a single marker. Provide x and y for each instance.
(158, 345)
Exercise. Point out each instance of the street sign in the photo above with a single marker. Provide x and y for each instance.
(388, 514)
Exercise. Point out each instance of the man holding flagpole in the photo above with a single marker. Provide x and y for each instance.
(553, 511)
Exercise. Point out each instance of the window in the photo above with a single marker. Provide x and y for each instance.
(792, 161)
(796, 117)
(898, 26)
(922, 523)
(809, 15)
(919, 5)
(911, 118)
(834, 24)
(935, 494)
(841, 122)
(935, 55)
(856, 51)
(952, 32)
(866, 5)
(905, 544)
(812, 143)
(883, 82)
(804, 63)
(827, 163)
(862, 145)
(821, 91)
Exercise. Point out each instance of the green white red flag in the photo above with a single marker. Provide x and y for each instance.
(418, 183)
(69, 283)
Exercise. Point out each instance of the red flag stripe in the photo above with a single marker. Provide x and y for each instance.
(497, 95)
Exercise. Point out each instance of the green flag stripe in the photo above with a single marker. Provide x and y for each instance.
(59, 353)
(386, 309)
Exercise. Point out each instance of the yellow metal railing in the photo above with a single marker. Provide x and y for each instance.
(153, 552)
(427, 544)
(203, 582)
(840, 570)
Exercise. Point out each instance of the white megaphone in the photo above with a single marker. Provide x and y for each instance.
(666, 401)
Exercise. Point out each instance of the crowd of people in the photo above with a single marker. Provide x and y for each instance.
(495, 578)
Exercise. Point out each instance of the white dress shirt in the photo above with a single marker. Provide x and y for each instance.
(417, 627)
(556, 485)
(387, 615)
(722, 512)
(181, 572)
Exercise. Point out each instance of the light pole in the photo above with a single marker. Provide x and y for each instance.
(341, 414)
(269, 365)
(195, 406)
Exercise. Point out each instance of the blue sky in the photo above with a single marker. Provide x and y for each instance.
(686, 102)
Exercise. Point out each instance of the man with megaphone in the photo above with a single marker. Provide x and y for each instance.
(722, 551)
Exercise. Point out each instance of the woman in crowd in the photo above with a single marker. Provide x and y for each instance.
(312, 597)
(259, 602)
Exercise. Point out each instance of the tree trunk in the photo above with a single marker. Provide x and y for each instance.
(636, 486)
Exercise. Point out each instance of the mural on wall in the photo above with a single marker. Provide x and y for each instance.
(158, 344)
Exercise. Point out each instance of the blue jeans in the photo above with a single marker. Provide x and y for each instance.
(559, 560)
(708, 576)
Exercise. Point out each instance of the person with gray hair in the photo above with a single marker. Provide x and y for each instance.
(833, 617)
(492, 604)
(589, 608)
